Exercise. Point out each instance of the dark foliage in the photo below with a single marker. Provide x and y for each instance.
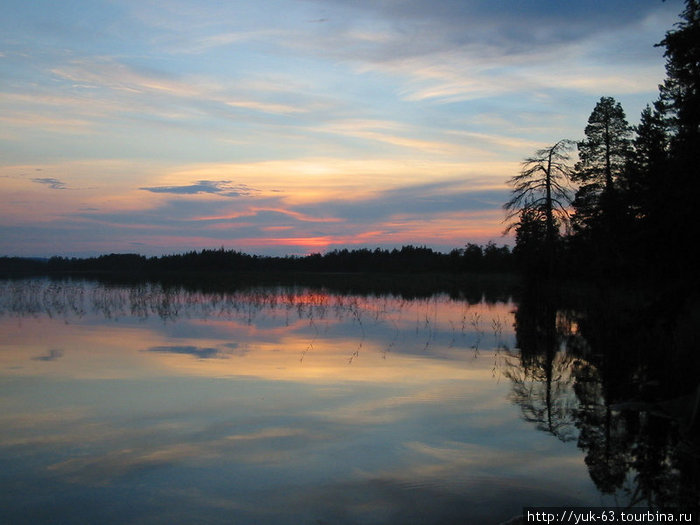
(22, 266)
(635, 205)
(409, 259)
(539, 200)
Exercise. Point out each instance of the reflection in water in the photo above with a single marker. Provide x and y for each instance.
(626, 391)
(164, 404)
(302, 310)
(542, 375)
(294, 404)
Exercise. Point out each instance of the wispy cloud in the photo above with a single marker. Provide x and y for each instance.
(52, 183)
(108, 72)
(225, 188)
(259, 214)
(51, 355)
(394, 133)
(266, 107)
(196, 351)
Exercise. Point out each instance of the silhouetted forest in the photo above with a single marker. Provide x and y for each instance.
(627, 207)
(409, 259)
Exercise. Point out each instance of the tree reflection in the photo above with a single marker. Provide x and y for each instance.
(374, 321)
(541, 377)
(602, 435)
(616, 375)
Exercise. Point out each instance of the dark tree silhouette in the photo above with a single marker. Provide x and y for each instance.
(603, 157)
(680, 92)
(604, 152)
(530, 237)
(599, 218)
(648, 163)
(644, 192)
(541, 194)
(408, 259)
(680, 102)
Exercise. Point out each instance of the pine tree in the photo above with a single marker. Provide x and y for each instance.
(604, 152)
(680, 92)
(680, 102)
(646, 171)
(604, 155)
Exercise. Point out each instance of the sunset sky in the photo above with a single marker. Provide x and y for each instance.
(296, 126)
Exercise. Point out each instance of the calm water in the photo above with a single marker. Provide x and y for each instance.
(291, 405)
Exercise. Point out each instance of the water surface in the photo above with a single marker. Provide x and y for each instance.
(281, 405)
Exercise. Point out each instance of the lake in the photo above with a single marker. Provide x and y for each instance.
(151, 403)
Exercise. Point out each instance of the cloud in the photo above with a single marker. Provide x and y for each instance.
(393, 133)
(424, 200)
(268, 215)
(266, 107)
(51, 182)
(196, 351)
(464, 206)
(460, 51)
(91, 73)
(181, 213)
(223, 187)
(52, 355)
(415, 28)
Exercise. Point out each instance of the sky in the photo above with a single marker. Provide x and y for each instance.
(287, 127)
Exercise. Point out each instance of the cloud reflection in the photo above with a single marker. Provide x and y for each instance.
(417, 429)
(272, 445)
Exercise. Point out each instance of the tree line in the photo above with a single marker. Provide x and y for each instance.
(626, 207)
(488, 258)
